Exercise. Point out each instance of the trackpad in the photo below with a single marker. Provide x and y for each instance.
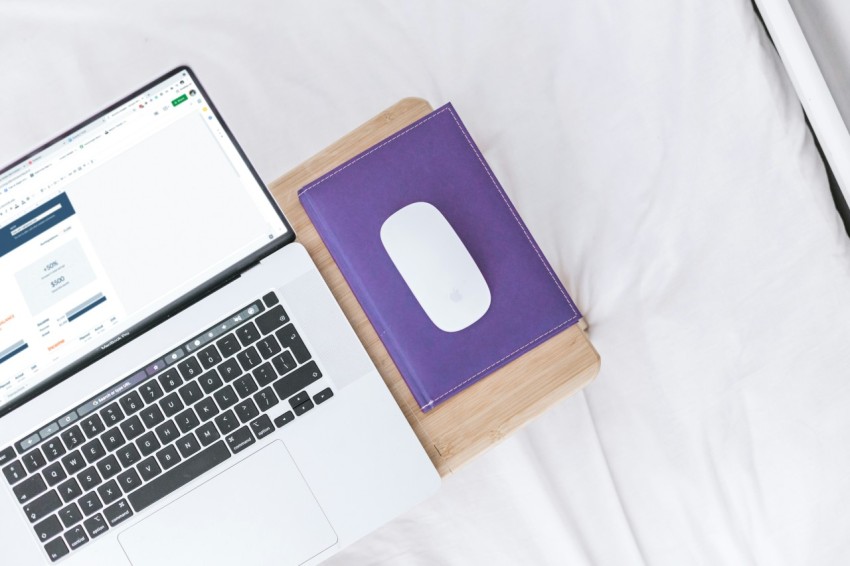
(260, 511)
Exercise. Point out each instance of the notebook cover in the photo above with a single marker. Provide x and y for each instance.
(435, 160)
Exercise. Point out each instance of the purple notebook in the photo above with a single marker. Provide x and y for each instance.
(435, 160)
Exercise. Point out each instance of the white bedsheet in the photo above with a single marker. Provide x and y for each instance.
(659, 156)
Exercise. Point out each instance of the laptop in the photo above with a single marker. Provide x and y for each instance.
(177, 383)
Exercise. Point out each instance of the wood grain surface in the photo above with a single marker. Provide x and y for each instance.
(480, 416)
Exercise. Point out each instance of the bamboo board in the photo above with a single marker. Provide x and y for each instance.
(475, 419)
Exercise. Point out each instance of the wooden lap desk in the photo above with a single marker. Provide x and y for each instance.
(480, 416)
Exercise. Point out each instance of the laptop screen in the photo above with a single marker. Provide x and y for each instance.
(104, 228)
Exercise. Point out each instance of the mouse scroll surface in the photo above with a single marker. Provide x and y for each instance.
(436, 266)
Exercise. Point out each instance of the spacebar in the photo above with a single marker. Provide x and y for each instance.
(178, 476)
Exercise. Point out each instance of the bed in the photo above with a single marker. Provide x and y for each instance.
(658, 153)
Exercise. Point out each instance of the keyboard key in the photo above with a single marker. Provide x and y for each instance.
(323, 395)
(89, 478)
(207, 434)
(14, 472)
(189, 368)
(69, 490)
(171, 404)
(96, 526)
(93, 451)
(270, 299)
(289, 385)
(188, 445)
(70, 515)
(226, 397)
(289, 338)
(28, 442)
(7, 456)
(129, 454)
(176, 355)
(149, 469)
(284, 419)
(303, 408)
(249, 358)
(209, 356)
(230, 369)
(53, 449)
(226, 422)
(187, 420)
(150, 390)
(246, 410)
(245, 386)
(109, 492)
(90, 503)
(132, 427)
(155, 367)
(29, 488)
(108, 467)
(268, 347)
(206, 409)
(170, 380)
(191, 393)
(152, 416)
(272, 319)
(129, 480)
(210, 381)
(264, 374)
(48, 431)
(92, 426)
(167, 432)
(296, 400)
(48, 528)
(68, 419)
(74, 462)
(168, 457)
(118, 513)
(76, 537)
(148, 444)
(266, 399)
(132, 402)
(73, 437)
(54, 473)
(112, 415)
(284, 363)
(37, 509)
(247, 334)
(262, 426)
(112, 439)
(176, 478)
(240, 439)
(56, 549)
(34, 460)
(228, 345)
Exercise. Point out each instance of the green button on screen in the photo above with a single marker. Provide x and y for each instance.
(179, 100)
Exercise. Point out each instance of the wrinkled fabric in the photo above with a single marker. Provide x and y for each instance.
(658, 154)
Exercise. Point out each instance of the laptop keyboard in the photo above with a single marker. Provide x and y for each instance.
(163, 426)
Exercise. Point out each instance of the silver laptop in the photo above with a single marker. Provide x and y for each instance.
(177, 383)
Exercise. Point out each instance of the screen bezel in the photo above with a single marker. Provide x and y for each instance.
(189, 298)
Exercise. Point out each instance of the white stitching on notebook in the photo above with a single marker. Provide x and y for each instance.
(505, 200)
(516, 218)
(497, 362)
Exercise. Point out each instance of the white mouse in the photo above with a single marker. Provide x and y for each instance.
(436, 266)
